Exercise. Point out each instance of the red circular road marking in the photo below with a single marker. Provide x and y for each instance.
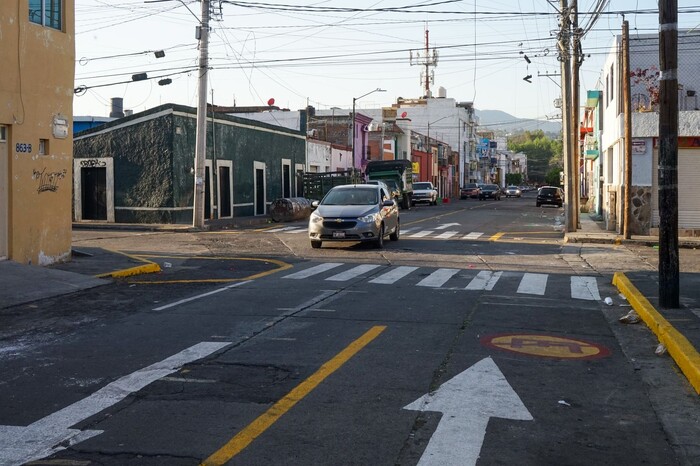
(545, 346)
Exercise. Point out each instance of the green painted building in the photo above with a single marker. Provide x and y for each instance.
(140, 169)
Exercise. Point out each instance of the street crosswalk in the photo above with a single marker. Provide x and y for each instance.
(524, 283)
(412, 232)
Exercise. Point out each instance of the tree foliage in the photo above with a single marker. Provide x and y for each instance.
(543, 154)
(514, 179)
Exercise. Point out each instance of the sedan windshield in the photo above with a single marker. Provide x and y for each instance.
(351, 197)
(421, 185)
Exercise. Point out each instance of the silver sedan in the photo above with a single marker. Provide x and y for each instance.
(360, 212)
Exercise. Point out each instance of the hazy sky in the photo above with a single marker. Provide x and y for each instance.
(327, 52)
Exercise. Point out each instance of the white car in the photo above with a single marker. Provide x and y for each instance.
(424, 191)
(513, 191)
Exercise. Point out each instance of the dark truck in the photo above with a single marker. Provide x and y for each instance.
(399, 172)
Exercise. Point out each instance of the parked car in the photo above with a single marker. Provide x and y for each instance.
(513, 191)
(490, 191)
(550, 195)
(356, 212)
(424, 191)
(470, 190)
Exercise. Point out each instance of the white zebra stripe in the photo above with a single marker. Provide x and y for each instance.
(310, 272)
(393, 275)
(484, 280)
(533, 283)
(447, 235)
(472, 235)
(352, 273)
(438, 278)
(420, 234)
(585, 288)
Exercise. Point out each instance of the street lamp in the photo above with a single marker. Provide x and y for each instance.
(352, 143)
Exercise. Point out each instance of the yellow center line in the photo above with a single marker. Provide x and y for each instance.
(496, 236)
(267, 419)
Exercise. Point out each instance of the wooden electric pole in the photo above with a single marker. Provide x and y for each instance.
(565, 60)
(668, 154)
(201, 134)
(627, 109)
(575, 105)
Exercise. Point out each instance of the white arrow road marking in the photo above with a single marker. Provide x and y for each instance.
(467, 401)
(19, 445)
(447, 225)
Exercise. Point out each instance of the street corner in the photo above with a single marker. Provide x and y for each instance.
(172, 269)
(683, 352)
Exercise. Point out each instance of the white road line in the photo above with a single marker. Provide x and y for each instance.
(585, 288)
(484, 280)
(438, 278)
(393, 275)
(300, 230)
(352, 273)
(406, 230)
(472, 235)
(420, 234)
(53, 433)
(447, 235)
(277, 230)
(203, 295)
(533, 283)
(315, 270)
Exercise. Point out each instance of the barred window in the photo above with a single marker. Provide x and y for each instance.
(48, 13)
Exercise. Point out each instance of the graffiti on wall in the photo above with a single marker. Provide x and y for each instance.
(48, 181)
(93, 163)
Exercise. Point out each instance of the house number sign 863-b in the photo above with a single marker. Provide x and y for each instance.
(22, 147)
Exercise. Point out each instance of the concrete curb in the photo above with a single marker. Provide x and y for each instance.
(680, 349)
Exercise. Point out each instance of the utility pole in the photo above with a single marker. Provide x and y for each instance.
(627, 109)
(565, 60)
(668, 155)
(201, 136)
(577, 57)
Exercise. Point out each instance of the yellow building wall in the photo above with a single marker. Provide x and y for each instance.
(36, 93)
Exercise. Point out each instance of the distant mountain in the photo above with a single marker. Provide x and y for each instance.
(500, 121)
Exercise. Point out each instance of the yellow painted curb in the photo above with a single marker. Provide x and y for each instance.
(139, 269)
(147, 267)
(680, 349)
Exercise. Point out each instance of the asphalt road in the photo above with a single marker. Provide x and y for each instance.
(490, 344)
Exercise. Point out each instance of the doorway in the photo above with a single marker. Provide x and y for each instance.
(225, 171)
(259, 188)
(94, 193)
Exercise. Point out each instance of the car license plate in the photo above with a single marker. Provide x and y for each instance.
(339, 234)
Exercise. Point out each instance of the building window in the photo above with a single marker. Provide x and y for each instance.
(48, 13)
(612, 83)
(3, 133)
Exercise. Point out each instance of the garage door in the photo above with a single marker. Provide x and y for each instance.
(688, 189)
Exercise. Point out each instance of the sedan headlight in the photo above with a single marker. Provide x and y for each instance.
(368, 218)
(315, 217)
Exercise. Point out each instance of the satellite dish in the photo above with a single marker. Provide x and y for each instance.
(271, 102)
